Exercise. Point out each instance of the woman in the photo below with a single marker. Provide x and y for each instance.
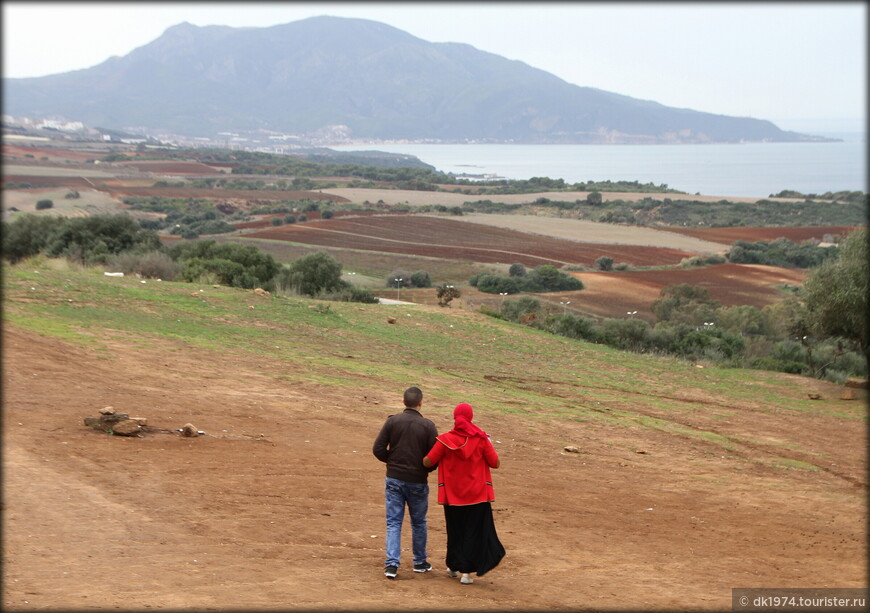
(464, 457)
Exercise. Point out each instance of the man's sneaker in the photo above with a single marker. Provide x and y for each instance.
(390, 572)
(466, 579)
(425, 567)
(452, 573)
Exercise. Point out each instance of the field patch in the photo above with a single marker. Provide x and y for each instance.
(614, 294)
(454, 239)
(596, 232)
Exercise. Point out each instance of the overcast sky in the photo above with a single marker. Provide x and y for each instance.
(802, 65)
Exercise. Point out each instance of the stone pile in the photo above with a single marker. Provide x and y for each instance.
(116, 423)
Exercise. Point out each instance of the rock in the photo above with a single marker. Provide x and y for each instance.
(642, 452)
(813, 396)
(142, 421)
(391, 320)
(107, 411)
(189, 430)
(857, 383)
(93, 422)
(261, 292)
(848, 394)
(127, 427)
(572, 449)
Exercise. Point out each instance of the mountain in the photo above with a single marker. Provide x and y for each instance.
(356, 77)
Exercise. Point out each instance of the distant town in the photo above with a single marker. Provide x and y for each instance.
(45, 130)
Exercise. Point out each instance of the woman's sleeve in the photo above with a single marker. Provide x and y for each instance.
(490, 454)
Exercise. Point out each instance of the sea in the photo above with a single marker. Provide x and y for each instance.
(746, 169)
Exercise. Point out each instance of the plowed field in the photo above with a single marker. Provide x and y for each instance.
(458, 240)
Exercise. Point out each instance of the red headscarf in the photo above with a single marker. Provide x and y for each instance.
(462, 425)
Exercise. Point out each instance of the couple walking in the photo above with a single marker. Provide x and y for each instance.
(410, 446)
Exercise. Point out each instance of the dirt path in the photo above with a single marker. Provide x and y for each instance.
(294, 518)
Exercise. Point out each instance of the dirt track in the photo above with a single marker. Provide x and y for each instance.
(295, 518)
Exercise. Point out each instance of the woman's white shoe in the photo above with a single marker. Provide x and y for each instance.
(466, 579)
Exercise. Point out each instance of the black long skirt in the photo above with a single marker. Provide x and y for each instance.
(472, 542)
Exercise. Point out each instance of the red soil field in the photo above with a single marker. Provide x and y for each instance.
(458, 240)
(729, 235)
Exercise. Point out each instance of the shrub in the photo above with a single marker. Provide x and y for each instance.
(421, 279)
(398, 278)
(151, 265)
(498, 284)
(303, 217)
(44, 204)
(630, 333)
(277, 221)
(446, 293)
(327, 214)
(313, 274)
(604, 263)
(289, 218)
(96, 237)
(28, 235)
(548, 278)
(517, 270)
(255, 268)
(514, 308)
(574, 327)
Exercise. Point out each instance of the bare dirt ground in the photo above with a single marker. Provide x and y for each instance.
(280, 504)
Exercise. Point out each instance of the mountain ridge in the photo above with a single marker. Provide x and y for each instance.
(361, 79)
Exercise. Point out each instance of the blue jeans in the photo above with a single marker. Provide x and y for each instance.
(396, 494)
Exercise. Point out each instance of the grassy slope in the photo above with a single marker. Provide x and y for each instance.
(496, 366)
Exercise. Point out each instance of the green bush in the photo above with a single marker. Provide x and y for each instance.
(498, 284)
(512, 309)
(517, 270)
(313, 274)
(254, 268)
(92, 239)
(44, 204)
(28, 235)
(421, 278)
(151, 265)
(604, 263)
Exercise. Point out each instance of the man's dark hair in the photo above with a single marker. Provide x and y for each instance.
(413, 396)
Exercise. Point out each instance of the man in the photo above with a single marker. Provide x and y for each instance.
(402, 442)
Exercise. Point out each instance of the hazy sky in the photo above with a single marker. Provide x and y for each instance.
(802, 65)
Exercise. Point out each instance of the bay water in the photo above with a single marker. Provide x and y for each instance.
(746, 169)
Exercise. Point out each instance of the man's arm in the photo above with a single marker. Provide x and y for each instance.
(382, 441)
